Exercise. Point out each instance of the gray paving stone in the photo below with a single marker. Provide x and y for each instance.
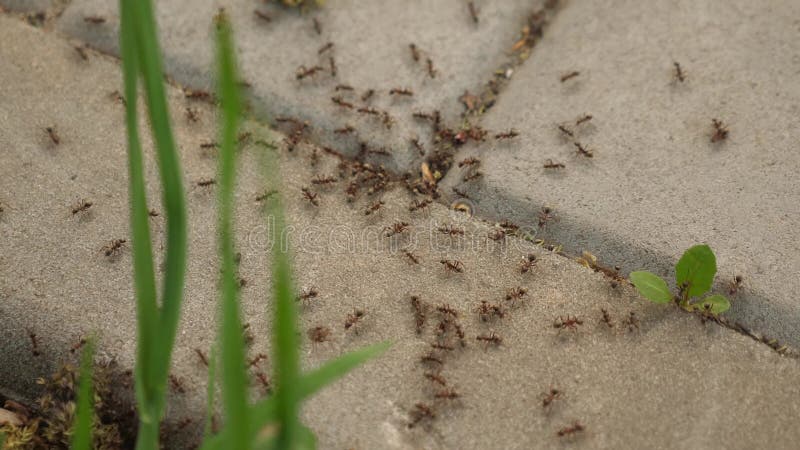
(671, 382)
(656, 184)
(371, 50)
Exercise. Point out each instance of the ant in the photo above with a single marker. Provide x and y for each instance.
(412, 257)
(490, 339)
(191, 114)
(81, 206)
(473, 176)
(451, 230)
(581, 150)
(51, 132)
(431, 71)
(310, 196)
(566, 131)
(307, 294)
(508, 225)
(206, 182)
(209, 145)
(94, 20)
(460, 192)
(431, 358)
(420, 204)
(81, 50)
(720, 131)
(196, 95)
(488, 310)
(515, 294)
(75, 347)
(631, 321)
(317, 25)
(571, 429)
(419, 312)
(34, 343)
(545, 215)
(436, 378)
(549, 164)
(303, 72)
(569, 322)
(421, 411)
(343, 87)
(401, 91)
(507, 134)
(452, 265)
(527, 263)
(368, 110)
(569, 76)
(584, 119)
(606, 319)
(319, 179)
(262, 15)
(176, 384)
(319, 333)
(497, 234)
(339, 101)
(473, 11)
(418, 145)
(447, 310)
(325, 48)
(471, 161)
(679, 74)
(113, 247)
(367, 95)
(202, 356)
(256, 359)
(332, 63)
(549, 397)
(396, 228)
(445, 347)
(266, 195)
(117, 97)
(735, 284)
(449, 394)
(374, 207)
(264, 380)
(353, 320)
(414, 52)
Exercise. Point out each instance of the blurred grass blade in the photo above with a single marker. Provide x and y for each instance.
(2, 440)
(234, 377)
(82, 437)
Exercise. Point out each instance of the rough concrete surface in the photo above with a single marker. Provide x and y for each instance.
(371, 49)
(656, 184)
(666, 382)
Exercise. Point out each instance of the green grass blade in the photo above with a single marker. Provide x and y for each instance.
(2, 440)
(149, 63)
(266, 411)
(144, 275)
(234, 377)
(82, 434)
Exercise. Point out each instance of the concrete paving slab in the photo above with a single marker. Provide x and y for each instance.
(657, 184)
(370, 49)
(661, 380)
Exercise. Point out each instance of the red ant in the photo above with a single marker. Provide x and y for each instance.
(373, 207)
(94, 20)
(310, 196)
(419, 312)
(436, 378)
(347, 129)
(581, 150)
(507, 135)
(569, 322)
(631, 321)
(303, 72)
(549, 164)
(488, 310)
(544, 216)
(202, 356)
(325, 48)
(452, 265)
(353, 320)
(51, 132)
(572, 429)
(679, 74)
(262, 15)
(414, 52)
(367, 95)
(412, 257)
(339, 101)
(584, 119)
(401, 91)
(606, 319)
(81, 206)
(492, 339)
(431, 71)
(34, 343)
(451, 230)
(515, 294)
(569, 76)
(720, 131)
(566, 131)
(319, 334)
(735, 285)
(319, 179)
(420, 204)
(473, 11)
(317, 25)
(471, 161)
(549, 397)
(527, 263)
(448, 394)
(113, 247)
(497, 234)
(447, 309)
(421, 411)
(398, 227)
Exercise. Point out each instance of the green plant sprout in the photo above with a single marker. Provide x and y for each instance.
(694, 275)
(82, 434)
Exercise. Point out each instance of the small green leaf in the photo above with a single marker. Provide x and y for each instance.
(82, 432)
(715, 304)
(651, 286)
(696, 269)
